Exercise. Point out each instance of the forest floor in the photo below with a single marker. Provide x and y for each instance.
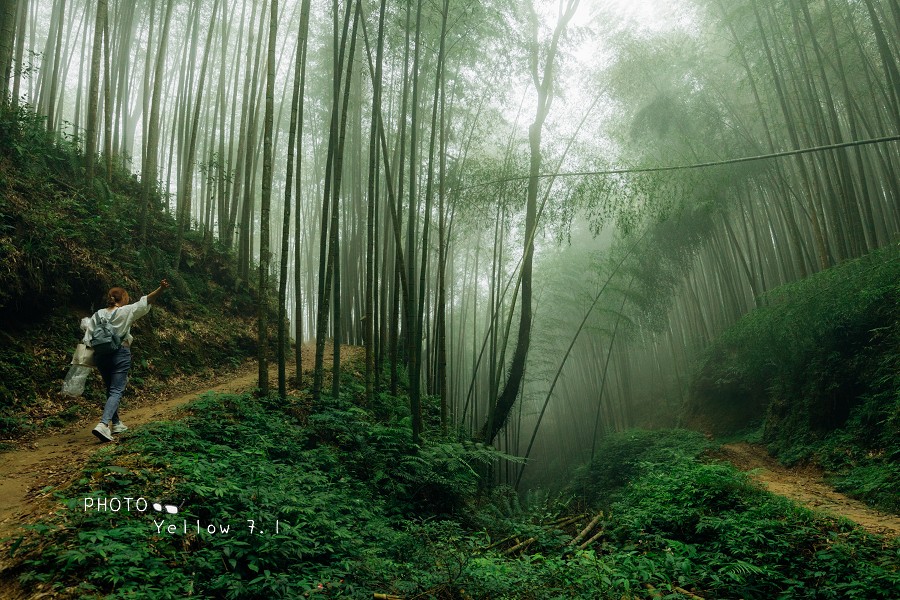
(31, 473)
(806, 485)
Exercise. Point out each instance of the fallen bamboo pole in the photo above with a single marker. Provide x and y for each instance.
(568, 521)
(503, 541)
(378, 596)
(591, 541)
(690, 595)
(586, 530)
(519, 546)
(658, 594)
(565, 520)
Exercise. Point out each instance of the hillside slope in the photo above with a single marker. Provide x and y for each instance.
(62, 245)
(818, 370)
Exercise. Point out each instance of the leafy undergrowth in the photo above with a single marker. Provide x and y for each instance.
(63, 243)
(677, 518)
(343, 505)
(339, 500)
(818, 368)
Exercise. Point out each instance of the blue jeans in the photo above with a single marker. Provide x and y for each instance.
(114, 370)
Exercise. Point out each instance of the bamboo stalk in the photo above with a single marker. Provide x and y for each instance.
(565, 518)
(690, 595)
(591, 541)
(519, 546)
(378, 596)
(586, 530)
(503, 541)
(567, 521)
(657, 594)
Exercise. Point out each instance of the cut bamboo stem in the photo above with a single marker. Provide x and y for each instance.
(519, 546)
(591, 541)
(586, 530)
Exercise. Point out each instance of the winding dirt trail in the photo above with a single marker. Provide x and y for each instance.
(56, 460)
(805, 485)
(28, 473)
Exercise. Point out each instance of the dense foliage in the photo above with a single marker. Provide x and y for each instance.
(819, 367)
(353, 499)
(676, 516)
(62, 245)
(360, 510)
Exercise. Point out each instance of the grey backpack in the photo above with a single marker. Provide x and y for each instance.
(104, 339)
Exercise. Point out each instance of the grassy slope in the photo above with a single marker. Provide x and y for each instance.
(360, 510)
(62, 245)
(818, 368)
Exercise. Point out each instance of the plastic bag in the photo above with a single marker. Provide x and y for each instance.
(73, 384)
(84, 356)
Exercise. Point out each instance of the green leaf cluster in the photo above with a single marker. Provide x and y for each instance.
(347, 493)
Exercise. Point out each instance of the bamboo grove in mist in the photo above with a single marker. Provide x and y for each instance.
(527, 209)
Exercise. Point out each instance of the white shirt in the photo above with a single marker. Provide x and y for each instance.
(120, 318)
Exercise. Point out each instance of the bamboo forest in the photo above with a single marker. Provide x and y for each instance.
(450, 299)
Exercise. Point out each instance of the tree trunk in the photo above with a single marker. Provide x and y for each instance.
(8, 13)
(325, 264)
(149, 174)
(295, 138)
(369, 315)
(20, 51)
(265, 210)
(499, 412)
(187, 185)
(90, 145)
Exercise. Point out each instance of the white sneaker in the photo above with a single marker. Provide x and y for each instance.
(119, 427)
(102, 432)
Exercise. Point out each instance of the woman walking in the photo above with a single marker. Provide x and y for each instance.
(114, 366)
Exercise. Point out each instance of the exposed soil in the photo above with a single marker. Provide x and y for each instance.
(57, 459)
(806, 485)
(30, 474)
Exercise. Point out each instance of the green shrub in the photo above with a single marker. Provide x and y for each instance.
(621, 457)
(344, 491)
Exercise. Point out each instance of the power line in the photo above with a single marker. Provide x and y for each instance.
(730, 161)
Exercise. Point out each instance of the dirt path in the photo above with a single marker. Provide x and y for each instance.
(806, 486)
(57, 459)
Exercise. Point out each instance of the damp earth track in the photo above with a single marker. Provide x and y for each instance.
(806, 485)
